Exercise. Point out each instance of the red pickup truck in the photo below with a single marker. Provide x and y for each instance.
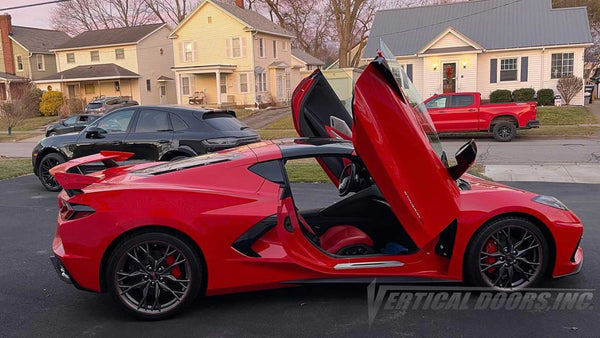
(458, 112)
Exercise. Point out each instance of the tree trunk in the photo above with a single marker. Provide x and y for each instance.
(9, 130)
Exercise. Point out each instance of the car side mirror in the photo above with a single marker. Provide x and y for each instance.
(465, 156)
(94, 132)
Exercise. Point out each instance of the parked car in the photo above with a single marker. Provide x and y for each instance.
(71, 124)
(227, 222)
(152, 133)
(107, 104)
(459, 112)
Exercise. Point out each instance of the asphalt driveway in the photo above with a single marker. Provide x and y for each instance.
(34, 302)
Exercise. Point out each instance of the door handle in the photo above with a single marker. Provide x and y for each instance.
(471, 110)
(116, 143)
(442, 111)
(163, 141)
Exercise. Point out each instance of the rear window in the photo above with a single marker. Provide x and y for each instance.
(94, 105)
(223, 121)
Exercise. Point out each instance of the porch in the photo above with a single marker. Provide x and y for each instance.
(210, 85)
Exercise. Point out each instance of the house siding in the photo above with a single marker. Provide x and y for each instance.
(24, 54)
(106, 54)
(154, 59)
(49, 66)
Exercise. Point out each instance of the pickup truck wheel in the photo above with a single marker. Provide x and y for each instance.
(48, 162)
(504, 131)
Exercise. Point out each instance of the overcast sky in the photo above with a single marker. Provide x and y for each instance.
(38, 16)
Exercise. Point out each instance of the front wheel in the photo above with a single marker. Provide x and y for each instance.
(508, 254)
(504, 131)
(153, 275)
(48, 162)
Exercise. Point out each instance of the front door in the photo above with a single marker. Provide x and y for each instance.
(71, 90)
(163, 94)
(449, 74)
(280, 86)
(223, 88)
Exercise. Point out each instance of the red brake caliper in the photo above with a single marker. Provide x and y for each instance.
(175, 271)
(491, 247)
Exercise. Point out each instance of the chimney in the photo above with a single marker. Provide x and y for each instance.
(239, 3)
(5, 32)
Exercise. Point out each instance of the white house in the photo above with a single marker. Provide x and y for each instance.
(484, 45)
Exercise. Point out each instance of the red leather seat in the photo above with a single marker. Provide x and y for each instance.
(342, 236)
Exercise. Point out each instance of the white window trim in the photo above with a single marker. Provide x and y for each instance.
(68, 57)
(21, 63)
(261, 48)
(518, 58)
(239, 45)
(185, 59)
(91, 59)
(562, 64)
(264, 82)
(274, 49)
(43, 69)
(117, 56)
(247, 83)
(183, 86)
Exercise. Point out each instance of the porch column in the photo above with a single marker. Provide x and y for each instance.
(178, 87)
(8, 91)
(218, 73)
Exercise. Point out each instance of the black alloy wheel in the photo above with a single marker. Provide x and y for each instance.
(48, 162)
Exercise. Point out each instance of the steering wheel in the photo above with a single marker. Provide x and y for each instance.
(347, 180)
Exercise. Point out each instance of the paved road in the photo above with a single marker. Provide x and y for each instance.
(34, 303)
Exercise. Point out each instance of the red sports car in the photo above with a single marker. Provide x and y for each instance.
(156, 235)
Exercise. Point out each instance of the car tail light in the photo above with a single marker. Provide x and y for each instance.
(71, 211)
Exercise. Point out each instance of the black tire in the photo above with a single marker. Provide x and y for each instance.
(53, 133)
(492, 260)
(504, 131)
(47, 163)
(153, 287)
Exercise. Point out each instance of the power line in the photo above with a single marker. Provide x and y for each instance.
(33, 5)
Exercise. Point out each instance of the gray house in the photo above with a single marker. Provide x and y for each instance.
(481, 46)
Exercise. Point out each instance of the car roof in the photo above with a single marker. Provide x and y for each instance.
(183, 109)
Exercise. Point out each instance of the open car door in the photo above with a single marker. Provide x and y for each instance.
(395, 140)
(318, 112)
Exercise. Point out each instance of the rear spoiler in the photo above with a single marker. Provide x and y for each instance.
(64, 175)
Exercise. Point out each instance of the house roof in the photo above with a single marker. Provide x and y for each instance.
(104, 71)
(37, 40)
(248, 17)
(106, 37)
(493, 24)
(12, 77)
(306, 58)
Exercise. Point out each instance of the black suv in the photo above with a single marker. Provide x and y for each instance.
(152, 133)
(107, 104)
(71, 124)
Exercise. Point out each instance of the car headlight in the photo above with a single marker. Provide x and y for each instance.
(223, 141)
(550, 201)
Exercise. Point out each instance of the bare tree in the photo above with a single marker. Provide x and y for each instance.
(171, 11)
(569, 86)
(24, 103)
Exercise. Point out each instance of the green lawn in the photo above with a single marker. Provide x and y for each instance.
(241, 113)
(565, 116)
(15, 167)
(32, 123)
(279, 129)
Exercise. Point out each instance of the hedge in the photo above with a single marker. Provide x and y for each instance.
(545, 97)
(524, 95)
(51, 102)
(500, 96)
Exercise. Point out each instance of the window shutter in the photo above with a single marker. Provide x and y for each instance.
(192, 80)
(194, 51)
(409, 71)
(524, 68)
(181, 52)
(228, 47)
(243, 47)
(493, 70)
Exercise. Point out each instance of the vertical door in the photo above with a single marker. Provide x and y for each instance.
(71, 89)
(163, 94)
(449, 74)
(223, 89)
(280, 86)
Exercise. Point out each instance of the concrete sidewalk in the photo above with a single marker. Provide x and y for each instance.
(559, 173)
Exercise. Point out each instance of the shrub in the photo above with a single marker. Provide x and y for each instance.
(72, 107)
(51, 102)
(500, 95)
(569, 86)
(24, 104)
(524, 95)
(545, 97)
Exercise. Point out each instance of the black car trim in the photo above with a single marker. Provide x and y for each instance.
(244, 243)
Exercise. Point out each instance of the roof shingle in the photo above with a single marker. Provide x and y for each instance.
(114, 36)
(254, 19)
(97, 71)
(306, 58)
(37, 40)
(493, 24)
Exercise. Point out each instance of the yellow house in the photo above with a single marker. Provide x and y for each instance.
(132, 61)
(228, 55)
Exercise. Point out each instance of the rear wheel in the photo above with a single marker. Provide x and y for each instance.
(504, 131)
(153, 275)
(48, 162)
(507, 254)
